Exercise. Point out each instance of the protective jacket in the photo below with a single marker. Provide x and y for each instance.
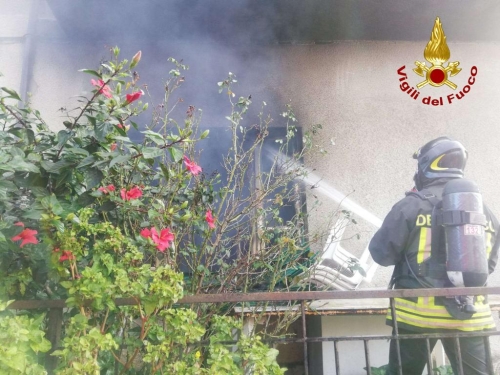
(404, 240)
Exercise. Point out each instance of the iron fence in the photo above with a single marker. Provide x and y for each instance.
(55, 315)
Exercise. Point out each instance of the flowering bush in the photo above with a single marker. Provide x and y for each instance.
(88, 215)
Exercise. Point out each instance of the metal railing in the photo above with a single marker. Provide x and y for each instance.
(56, 307)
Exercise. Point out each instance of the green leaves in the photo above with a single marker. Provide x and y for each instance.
(89, 160)
(102, 130)
(91, 72)
(120, 159)
(152, 152)
(93, 178)
(11, 93)
(175, 154)
(25, 340)
(13, 160)
(22, 166)
(62, 137)
(154, 137)
(204, 134)
(6, 186)
(442, 370)
(56, 167)
(165, 171)
(382, 370)
(52, 204)
(149, 306)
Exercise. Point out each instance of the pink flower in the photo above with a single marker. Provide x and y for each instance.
(210, 219)
(133, 193)
(129, 98)
(107, 189)
(113, 147)
(103, 89)
(146, 233)
(66, 255)
(27, 236)
(191, 166)
(162, 240)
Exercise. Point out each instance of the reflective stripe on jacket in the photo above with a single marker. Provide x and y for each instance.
(427, 314)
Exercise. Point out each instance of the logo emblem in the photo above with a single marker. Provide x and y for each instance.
(437, 53)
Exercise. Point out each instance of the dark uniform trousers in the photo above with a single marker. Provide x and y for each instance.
(414, 355)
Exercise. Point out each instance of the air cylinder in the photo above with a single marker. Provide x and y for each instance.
(464, 223)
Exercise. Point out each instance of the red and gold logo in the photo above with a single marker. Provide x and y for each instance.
(437, 53)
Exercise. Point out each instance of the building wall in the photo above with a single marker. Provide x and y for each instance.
(14, 21)
(351, 353)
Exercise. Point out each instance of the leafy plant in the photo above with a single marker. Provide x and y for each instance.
(22, 340)
(90, 215)
(443, 370)
(382, 370)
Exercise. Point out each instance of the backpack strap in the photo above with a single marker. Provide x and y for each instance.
(439, 257)
(425, 197)
(435, 268)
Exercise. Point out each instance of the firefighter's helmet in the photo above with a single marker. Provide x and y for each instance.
(442, 157)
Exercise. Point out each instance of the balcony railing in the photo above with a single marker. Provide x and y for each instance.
(56, 307)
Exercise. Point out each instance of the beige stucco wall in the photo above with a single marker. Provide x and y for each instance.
(56, 82)
(351, 353)
(11, 73)
(14, 25)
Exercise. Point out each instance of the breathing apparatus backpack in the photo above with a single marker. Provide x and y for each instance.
(459, 217)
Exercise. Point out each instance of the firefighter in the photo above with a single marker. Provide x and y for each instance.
(404, 240)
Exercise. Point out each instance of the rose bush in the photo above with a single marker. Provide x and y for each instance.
(89, 215)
